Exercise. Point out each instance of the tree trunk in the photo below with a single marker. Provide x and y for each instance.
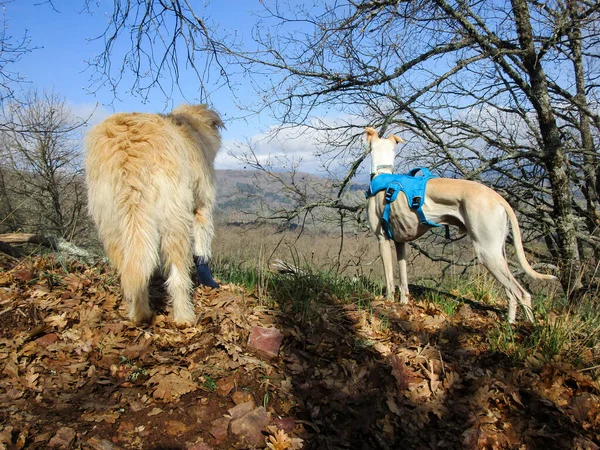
(57, 244)
(590, 158)
(555, 160)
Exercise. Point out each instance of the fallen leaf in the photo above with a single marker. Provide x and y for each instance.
(172, 386)
(105, 416)
(57, 320)
(63, 438)
(278, 441)
(155, 412)
(175, 427)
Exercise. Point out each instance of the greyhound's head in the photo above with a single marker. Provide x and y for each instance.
(386, 143)
(382, 151)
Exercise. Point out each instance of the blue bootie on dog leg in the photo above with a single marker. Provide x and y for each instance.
(203, 274)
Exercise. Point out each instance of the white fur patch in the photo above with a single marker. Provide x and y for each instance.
(382, 154)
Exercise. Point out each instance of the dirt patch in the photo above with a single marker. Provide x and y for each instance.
(74, 373)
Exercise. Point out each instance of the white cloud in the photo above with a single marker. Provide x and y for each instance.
(279, 149)
(300, 147)
(92, 113)
(225, 161)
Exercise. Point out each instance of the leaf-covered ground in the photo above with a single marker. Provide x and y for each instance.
(74, 373)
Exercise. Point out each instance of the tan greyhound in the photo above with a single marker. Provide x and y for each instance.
(474, 208)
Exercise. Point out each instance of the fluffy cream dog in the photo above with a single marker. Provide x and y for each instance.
(151, 190)
(474, 208)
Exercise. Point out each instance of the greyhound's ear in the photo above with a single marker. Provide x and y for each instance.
(398, 139)
(371, 133)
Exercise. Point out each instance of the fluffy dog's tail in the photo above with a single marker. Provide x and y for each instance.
(140, 240)
(518, 243)
(136, 203)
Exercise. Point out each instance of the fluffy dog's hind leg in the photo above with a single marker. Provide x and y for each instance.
(135, 277)
(139, 305)
(177, 257)
(140, 258)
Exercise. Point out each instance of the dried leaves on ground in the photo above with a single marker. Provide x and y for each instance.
(74, 373)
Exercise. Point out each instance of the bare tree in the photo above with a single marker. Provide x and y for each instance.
(12, 49)
(587, 173)
(503, 93)
(41, 170)
(165, 39)
(482, 88)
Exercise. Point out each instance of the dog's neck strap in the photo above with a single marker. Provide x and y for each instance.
(383, 168)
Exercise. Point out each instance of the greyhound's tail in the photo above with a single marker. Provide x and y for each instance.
(518, 243)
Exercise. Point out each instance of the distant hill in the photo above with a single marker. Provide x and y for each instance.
(250, 191)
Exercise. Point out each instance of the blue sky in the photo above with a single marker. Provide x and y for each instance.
(61, 37)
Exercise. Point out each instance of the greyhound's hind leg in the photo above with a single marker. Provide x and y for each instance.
(386, 257)
(177, 256)
(496, 263)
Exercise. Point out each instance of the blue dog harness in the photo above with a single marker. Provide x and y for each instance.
(412, 186)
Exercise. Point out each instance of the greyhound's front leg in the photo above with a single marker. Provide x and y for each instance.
(401, 254)
(386, 256)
